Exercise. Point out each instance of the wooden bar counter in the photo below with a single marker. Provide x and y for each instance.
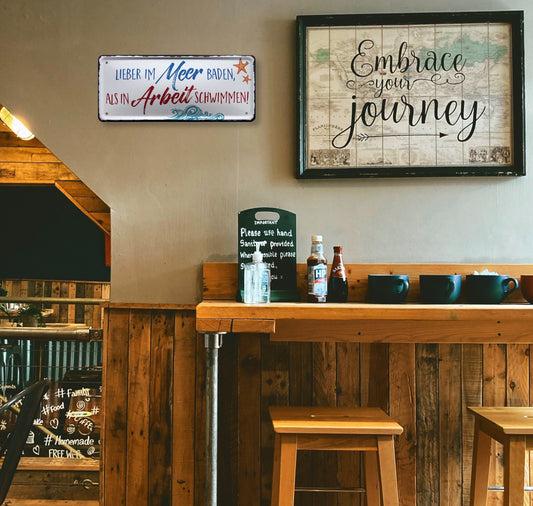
(422, 363)
(362, 322)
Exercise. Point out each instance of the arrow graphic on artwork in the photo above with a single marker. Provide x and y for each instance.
(365, 137)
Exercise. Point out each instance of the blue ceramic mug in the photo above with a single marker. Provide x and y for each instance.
(440, 288)
(387, 288)
(489, 288)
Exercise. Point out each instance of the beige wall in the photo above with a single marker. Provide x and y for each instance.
(175, 188)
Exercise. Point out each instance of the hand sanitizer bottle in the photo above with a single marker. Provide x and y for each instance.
(256, 279)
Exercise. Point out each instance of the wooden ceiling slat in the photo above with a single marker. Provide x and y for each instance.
(26, 155)
(76, 188)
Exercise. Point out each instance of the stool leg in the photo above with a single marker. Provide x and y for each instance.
(387, 471)
(480, 467)
(371, 478)
(284, 473)
(513, 481)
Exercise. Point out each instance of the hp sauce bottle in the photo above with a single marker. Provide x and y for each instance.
(317, 272)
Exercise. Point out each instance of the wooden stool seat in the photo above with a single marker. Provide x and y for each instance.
(369, 430)
(513, 428)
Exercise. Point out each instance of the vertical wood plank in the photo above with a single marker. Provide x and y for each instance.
(15, 288)
(115, 405)
(301, 394)
(63, 308)
(228, 430)
(427, 421)
(274, 392)
(374, 359)
(183, 410)
(348, 395)
(494, 394)
(55, 293)
(71, 308)
(518, 388)
(472, 379)
(200, 410)
(249, 393)
(530, 454)
(160, 449)
(79, 309)
(324, 394)
(403, 410)
(138, 407)
(88, 308)
(98, 294)
(31, 292)
(450, 466)
(7, 284)
(24, 287)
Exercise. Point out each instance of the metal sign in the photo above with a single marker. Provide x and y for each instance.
(176, 88)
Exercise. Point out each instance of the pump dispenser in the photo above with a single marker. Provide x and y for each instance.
(256, 279)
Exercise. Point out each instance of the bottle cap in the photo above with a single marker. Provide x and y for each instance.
(257, 256)
(316, 238)
(337, 249)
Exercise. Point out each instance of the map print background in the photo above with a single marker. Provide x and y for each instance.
(407, 96)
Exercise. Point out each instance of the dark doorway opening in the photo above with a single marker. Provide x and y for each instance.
(44, 236)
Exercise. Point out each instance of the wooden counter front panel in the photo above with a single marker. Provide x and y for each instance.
(403, 331)
(425, 387)
(149, 389)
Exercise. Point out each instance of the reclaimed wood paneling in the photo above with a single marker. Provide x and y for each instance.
(87, 314)
(183, 418)
(426, 387)
(150, 396)
(115, 404)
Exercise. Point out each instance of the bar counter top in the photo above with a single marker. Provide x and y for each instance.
(506, 322)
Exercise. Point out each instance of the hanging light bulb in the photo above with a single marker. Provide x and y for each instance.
(18, 128)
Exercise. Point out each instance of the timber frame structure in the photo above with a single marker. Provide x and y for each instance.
(31, 162)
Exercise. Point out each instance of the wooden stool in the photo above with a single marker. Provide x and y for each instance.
(369, 430)
(513, 427)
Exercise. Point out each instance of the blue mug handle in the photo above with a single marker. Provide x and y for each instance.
(506, 282)
(450, 287)
(403, 286)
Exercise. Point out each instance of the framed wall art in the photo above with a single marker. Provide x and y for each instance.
(426, 94)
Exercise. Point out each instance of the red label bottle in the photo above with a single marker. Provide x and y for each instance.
(338, 282)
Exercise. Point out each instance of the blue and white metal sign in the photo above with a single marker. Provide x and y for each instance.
(181, 88)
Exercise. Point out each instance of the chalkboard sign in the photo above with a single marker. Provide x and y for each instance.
(275, 230)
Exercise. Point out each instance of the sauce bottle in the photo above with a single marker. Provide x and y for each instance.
(337, 283)
(317, 272)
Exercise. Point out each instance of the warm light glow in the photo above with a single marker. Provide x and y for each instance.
(15, 125)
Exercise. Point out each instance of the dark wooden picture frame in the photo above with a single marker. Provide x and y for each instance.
(399, 95)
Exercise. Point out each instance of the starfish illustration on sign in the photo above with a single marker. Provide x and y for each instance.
(241, 66)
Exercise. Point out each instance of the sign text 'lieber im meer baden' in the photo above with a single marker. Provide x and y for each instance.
(186, 88)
